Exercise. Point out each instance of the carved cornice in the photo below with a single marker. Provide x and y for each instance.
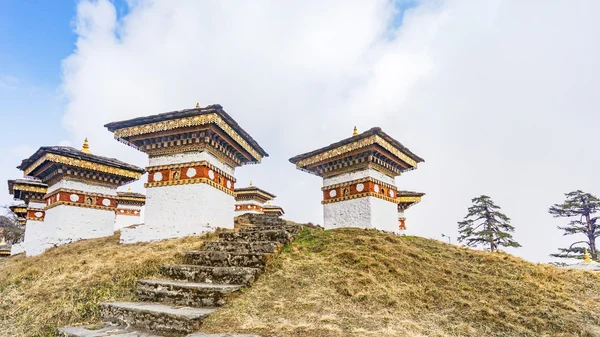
(69, 203)
(408, 199)
(185, 122)
(84, 164)
(233, 162)
(30, 188)
(374, 139)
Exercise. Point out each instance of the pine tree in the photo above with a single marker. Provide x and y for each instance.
(579, 206)
(485, 225)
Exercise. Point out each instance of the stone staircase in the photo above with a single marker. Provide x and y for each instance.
(177, 304)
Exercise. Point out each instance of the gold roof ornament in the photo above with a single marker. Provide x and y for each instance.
(586, 257)
(197, 105)
(128, 188)
(355, 132)
(269, 203)
(250, 183)
(86, 147)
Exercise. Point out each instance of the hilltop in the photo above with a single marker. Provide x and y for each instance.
(346, 282)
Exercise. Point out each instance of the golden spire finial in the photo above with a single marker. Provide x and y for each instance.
(250, 183)
(586, 257)
(128, 188)
(269, 203)
(355, 132)
(197, 105)
(86, 147)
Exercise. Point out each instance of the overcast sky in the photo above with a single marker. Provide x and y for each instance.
(499, 97)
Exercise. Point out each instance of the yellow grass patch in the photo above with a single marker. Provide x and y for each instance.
(64, 285)
(353, 282)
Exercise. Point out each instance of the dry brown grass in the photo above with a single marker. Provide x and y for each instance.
(355, 282)
(65, 284)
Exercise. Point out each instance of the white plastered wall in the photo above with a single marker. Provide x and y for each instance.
(72, 223)
(36, 234)
(367, 212)
(65, 224)
(127, 220)
(181, 210)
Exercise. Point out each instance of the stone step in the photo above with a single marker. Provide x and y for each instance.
(288, 228)
(280, 236)
(225, 259)
(159, 318)
(242, 246)
(205, 274)
(185, 293)
(102, 330)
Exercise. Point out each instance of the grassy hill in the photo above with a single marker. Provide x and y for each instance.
(347, 282)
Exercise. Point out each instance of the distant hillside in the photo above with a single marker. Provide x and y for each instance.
(346, 282)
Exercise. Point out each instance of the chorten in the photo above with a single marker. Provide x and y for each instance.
(405, 200)
(358, 179)
(129, 209)
(251, 199)
(81, 199)
(192, 154)
(4, 248)
(31, 191)
(273, 210)
(20, 212)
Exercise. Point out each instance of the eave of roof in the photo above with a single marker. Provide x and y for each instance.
(368, 133)
(214, 108)
(71, 152)
(253, 189)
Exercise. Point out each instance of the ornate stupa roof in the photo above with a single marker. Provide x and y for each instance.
(370, 148)
(273, 209)
(194, 121)
(130, 197)
(27, 187)
(407, 199)
(253, 193)
(45, 161)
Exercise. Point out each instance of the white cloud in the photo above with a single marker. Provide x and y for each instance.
(499, 97)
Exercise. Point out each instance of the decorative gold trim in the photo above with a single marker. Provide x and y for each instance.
(29, 188)
(19, 210)
(361, 180)
(374, 139)
(82, 164)
(408, 199)
(69, 203)
(134, 199)
(191, 164)
(188, 122)
(249, 194)
(361, 195)
(190, 181)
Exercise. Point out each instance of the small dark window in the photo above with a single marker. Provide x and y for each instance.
(89, 201)
(176, 175)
